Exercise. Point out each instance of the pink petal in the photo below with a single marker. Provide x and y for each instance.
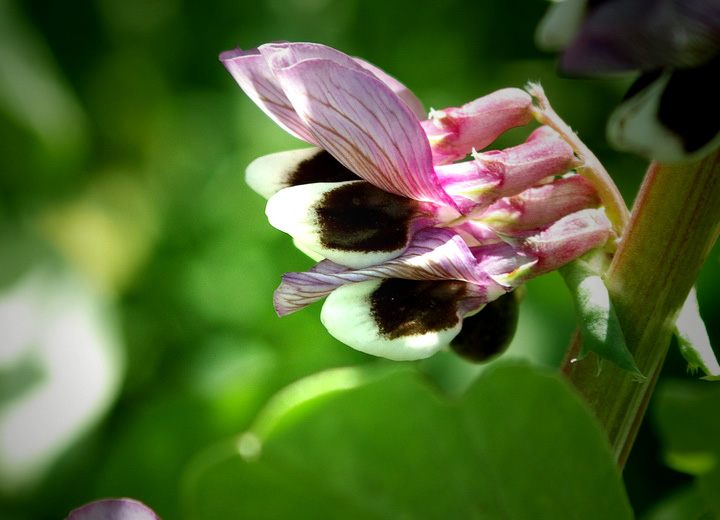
(541, 205)
(549, 248)
(475, 233)
(567, 238)
(258, 82)
(501, 261)
(360, 121)
(284, 54)
(401, 90)
(434, 254)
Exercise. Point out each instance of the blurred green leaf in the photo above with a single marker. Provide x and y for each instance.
(520, 445)
(686, 413)
(687, 504)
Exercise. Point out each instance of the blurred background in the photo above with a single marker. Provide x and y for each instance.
(137, 268)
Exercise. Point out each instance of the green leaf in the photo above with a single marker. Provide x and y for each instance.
(689, 426)
(686, 503)
(520, 444)
(599, 326)
(693, 340)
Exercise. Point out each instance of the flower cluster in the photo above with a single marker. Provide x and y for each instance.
(674, 44)
(414, 229)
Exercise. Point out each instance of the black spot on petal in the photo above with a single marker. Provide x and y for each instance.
(489, 332)
(361, 217)
(689, 107)
(415, 307)
(321, 167)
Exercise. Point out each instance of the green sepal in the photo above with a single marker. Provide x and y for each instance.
(693, 340)
(600, 329)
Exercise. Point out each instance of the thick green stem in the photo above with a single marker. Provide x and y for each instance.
(675, 222)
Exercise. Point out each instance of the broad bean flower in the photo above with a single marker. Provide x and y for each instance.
(412, 238)
(673, 44)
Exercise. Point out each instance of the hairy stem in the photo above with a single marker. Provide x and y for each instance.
(591, 168)
(674, 224)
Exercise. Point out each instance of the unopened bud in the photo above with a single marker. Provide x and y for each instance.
(454, 132)
(541, 205)
(503, 173)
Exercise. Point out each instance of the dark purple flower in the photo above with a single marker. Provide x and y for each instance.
(669, 113)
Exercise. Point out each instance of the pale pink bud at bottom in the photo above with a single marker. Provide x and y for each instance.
(549, 248)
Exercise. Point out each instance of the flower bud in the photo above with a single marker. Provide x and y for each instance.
(455, 132)
(503, 173)
(541, 205)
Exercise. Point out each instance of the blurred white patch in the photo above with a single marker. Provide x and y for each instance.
(634, 126)
(560, 24)
(51, 319)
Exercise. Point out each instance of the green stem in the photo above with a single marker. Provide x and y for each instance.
(674, 224)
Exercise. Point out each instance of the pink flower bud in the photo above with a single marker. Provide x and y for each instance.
(455, 132)
(502, 173)
(540, 205)
(553, 246)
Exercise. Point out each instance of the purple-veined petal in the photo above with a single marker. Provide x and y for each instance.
(271, 173)
(360, 121)
(404, 93)
(284, 54)
(399, 319)
(433, 254)
(352, 223)
(475, 233)
(113, 509)
(281, 55)
(258, 82)
(504, 264)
